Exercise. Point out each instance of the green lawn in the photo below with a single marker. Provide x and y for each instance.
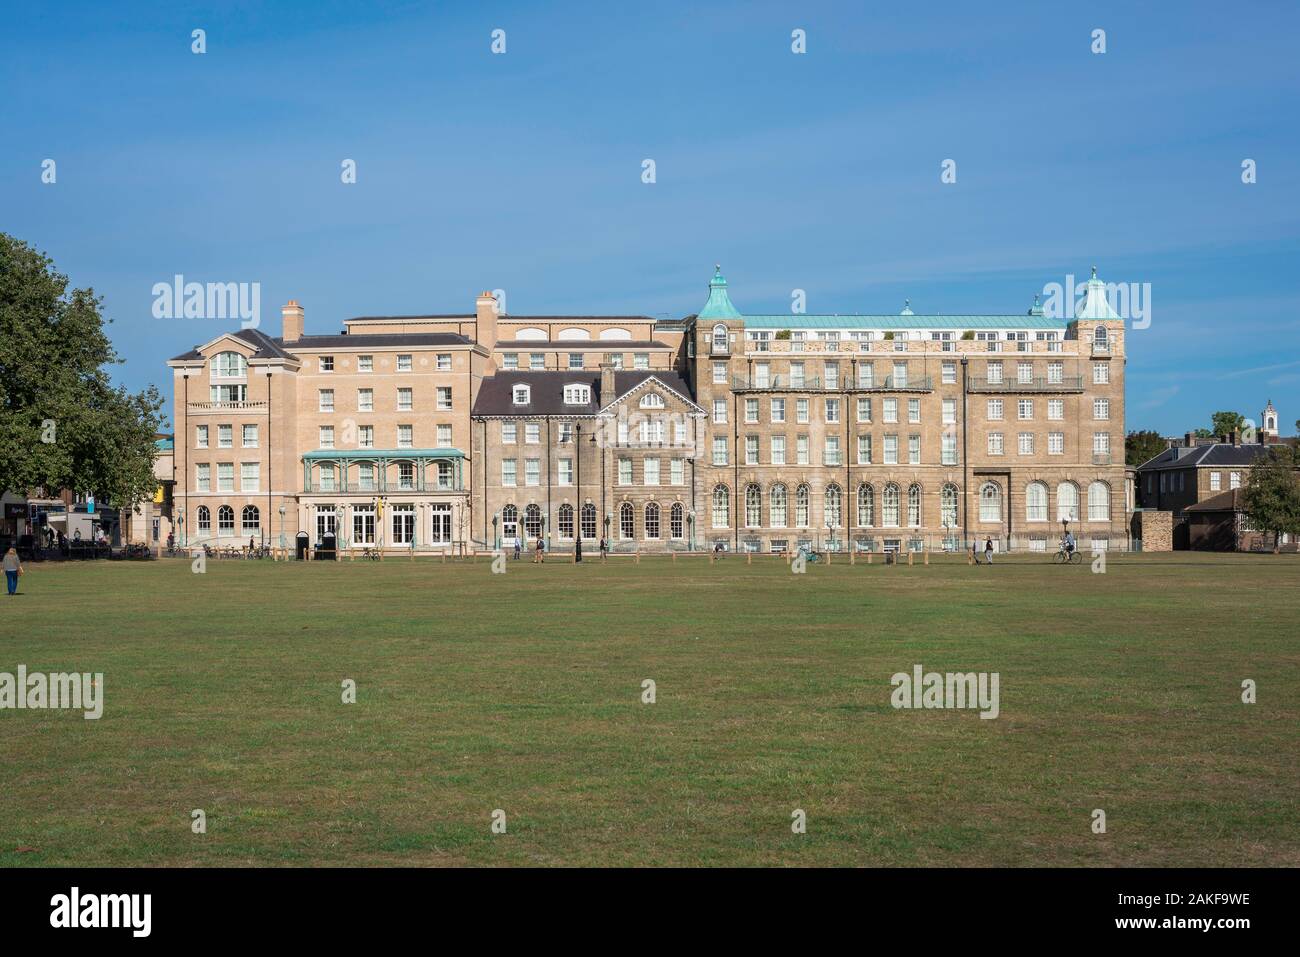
(522, 691)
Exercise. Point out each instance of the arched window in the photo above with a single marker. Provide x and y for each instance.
(1099, 502)
(720, 338)
(521, 393)
(832, 509)
(675, 516)
(229, 365)
(533, 521)
(801, 506)
(1067, 502)
(753, 506)
(205, 519)
(721, 507)
(889, 506)
(565, 521)
(626, 521)
(866, 506)
(249, 520)
(948, 506)
(914, 506)
(652, 400)
(589, 520)
(652, 520)
(225, 520)
(1036, 502)
(990, 503)
(509, 523)
(776, 506)
(1100, 336)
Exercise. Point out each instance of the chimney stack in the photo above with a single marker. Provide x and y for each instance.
(1234, 437)
(1189, 440)
(486, 312)
(606, 384)
(293, 317)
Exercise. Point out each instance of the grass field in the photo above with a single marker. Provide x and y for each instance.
(522, 691)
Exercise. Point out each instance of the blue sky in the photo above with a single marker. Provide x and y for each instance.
(818, 171)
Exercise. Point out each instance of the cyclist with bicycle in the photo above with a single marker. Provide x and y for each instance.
(1069, 544)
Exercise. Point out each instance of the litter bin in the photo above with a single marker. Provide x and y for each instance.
(326, 551)
(301, 543)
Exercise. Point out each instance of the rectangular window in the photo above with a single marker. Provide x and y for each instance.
(778, 450)
(913, 410)
(624, 471)
(508, 471)
(366, 477)
(891, 449)
(1025, 409)
(225, 436)
(532, 432)
(677, 471)
(249, 474)
(891, 410)
(201, 437)
(444, 362)
(326, 363)
(751, 450)
(565, 474)
(778, 410)
(1100, 373)
(444, 436)
(1101, 408)
(225, 476)
(995, 443)
(762, 375)
(831, 455)
(365, 400)
(832, 375)
(995, 373)
(404, 363)
(1055, 443)
(801, 450)
(719, 450)
(405, 436)
(1025, 443)
(1055, 372)
(949, 448)
(532, 471)
(864, 409)
(867, 375)
(444, 398)
(801, 411)
(720, 411)
(326, 400)
(796, 375)
(327, 478)
(616, 360)
(203, 477)
(751, 411)
(994, 411)
(327, 436)
(1234, 479)
(509, 431)
(864, 449)
(1216, 481)
(510, 360)
(404, 400)
(719, 373)
(365, 363)
(1056, 409)
(900, 374)
(575, 360)
(913, 449)
(832, 410)
(949, 376)
(949, 411)
(1024, 372)
(641, 360)
(651, 469)
(1101, 443)
(366, 436)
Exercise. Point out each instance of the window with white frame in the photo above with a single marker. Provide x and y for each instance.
(1024, 372)
(510, 360)
(327, 436)
(532, 471)
(225, 476)
(405, 400)
(864, 450)
(365, 400)
(995, 373)
(405, 436)
(994, 410)
(1025, 443)
(831, 453)
(778, 410)
(948, 374)
(536, 361)
(577, 394)
(1101, 408)
(650, 470)
(509, 471)
(719, 450)
(891, 449)
(443, 393)
(532, 433)
(1056, 409)
(914, 449)
(624, 471)
(751, 450)
(365, 436)
(751, 411)
(404, 362)
(203, 477)
(444, 362)
(801, 450)
(1025, 409)
(832, 410)
(1055, 372)
(995, 443)
(326, 363)
(948, 448)
(1100, 373)
(778, 450)
(201, 437)
(1055, 443)
(444, 436)
(864, 409)
(509, 433)
(677, 471)
(720, 411)
(521, 394)
(890, 410)
(801, 411)
(365, 363)
(1216, 481)
(641, 360)
(719, 373)
(914, 410)
(949, 411)
(225, 436)
(1234, 480)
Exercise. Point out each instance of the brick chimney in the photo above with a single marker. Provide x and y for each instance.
(606, 383)
(1189, 440)
(293, 317)
(485, 319)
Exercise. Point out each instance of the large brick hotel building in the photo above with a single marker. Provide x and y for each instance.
(760, 432)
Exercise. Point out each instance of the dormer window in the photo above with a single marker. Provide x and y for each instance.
(522, 394)
(577, 394)
(652, 400)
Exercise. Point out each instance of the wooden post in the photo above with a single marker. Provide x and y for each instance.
(853, 557)
(926, 556)
(674, 558)
(828, 558)
(970, 558)
(910, 556)
(869, 558)
(638, 555)
(749, 558)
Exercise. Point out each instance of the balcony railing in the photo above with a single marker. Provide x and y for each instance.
(232, 406)
(812, 383)
(1068, 383)
(719, 347)
(1101, 348)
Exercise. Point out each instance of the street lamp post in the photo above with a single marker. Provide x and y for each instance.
(282, 511)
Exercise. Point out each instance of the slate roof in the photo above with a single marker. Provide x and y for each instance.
(263, 345)
(1218, 454)
(1229, 501)
(267, 347)
(496, 394)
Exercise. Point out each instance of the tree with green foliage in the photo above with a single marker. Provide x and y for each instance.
(1142, 446)
(1225, 423)
(63, 425)
(1271, 497)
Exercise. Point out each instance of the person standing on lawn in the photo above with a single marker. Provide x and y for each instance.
(988, 551)
(13, 568)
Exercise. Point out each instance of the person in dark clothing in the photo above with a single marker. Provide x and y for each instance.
(988, 551)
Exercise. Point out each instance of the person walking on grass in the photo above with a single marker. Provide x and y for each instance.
(13, 568)
(988, 551)
(518, 547)
(539, 554)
